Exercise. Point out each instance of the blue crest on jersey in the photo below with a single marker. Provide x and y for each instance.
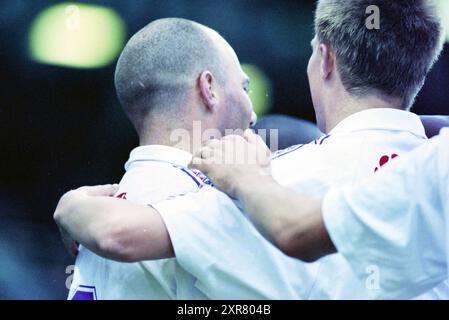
(85, 293)
(204, 179)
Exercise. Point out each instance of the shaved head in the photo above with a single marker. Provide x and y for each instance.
(160, 64)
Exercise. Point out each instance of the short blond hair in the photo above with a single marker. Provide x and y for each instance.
(393, 60)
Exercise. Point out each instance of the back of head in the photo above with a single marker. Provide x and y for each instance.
(159, 65)
(391, 60)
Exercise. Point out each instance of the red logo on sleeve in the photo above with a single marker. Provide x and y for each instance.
(384, 160)
(121, 196)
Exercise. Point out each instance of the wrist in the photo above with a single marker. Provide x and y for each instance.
(249, 183)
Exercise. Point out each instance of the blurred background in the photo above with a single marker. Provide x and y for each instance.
(61, 125)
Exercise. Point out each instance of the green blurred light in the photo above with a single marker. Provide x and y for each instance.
(443, 8)
(260, 89)
(76, 35)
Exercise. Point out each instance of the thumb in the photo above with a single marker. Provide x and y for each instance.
(250, 136)
(255, 139)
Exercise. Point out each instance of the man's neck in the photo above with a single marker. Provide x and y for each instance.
(180, 138)
(163, 136)
(348, 105)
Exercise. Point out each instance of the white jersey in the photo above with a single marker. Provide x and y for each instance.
(398, 222)
(232, 260)
(152, 173)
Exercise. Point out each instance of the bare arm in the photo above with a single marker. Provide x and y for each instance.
(112, 228)
(291, 221)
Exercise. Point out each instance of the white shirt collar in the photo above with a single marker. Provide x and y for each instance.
(382, 119)
(159, 153)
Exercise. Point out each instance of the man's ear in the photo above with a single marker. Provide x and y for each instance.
(207, 86)
(327, 61)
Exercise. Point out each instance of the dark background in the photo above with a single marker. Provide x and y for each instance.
(63, 127)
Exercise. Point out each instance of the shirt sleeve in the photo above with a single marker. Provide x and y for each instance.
(215, 242)
(444, 167)
(444, 174)
(395, 223)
